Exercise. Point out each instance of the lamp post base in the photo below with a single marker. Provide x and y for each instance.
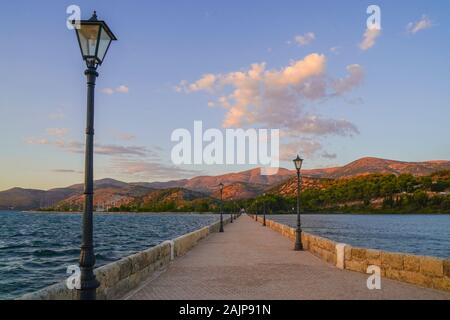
(298, 241)
(88, 290)
(221, 224)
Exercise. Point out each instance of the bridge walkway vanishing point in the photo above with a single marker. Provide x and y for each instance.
(249, 261)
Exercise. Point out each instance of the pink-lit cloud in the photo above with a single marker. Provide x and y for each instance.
(57, 132)
(102, 149)
(279, 98)
(148, 169)
(120, 89)
(369, 38)
(422, 24)
(305, 39)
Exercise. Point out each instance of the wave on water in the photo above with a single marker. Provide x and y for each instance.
(35, 249)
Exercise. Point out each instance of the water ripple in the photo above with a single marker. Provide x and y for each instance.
(36, 248)
(427, 235)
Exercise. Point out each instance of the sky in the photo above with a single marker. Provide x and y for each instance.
(336, 90)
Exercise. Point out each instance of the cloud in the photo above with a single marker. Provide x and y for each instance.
(107, 91)
(136, 161)
(282, 99)
(369, 38)
(57, 115)
(102, 149)
(124, 136)
(354, 79)
(329, 156)
(355, 101)
(57, 132)
(69, 146)
(121, 150)
(36, 141)
(422, 24)
(278, 98)
(204, 83)
(251, 88)
(305, 39)
(317, 125)
(307, 148)
(152, 170)
(294, 74)
(335, 50)
(66, 171)
(120, 89)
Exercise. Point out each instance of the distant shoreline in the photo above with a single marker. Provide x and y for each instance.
(111, 212)
(376, 212)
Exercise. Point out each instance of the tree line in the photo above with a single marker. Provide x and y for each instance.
(376, 192)
(371, 193)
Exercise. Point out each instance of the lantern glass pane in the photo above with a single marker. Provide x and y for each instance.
(88, 35)
(298, 163)
(103, 45)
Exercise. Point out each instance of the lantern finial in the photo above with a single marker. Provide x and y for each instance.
(94, 16)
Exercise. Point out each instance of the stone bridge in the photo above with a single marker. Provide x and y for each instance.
(249, 261)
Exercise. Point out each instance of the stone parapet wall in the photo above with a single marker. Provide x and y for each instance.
(186, 242)
(423, 271)
(321, 247)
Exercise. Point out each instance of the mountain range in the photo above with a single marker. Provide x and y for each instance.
(240, 185)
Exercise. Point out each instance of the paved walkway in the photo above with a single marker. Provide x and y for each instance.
(248, 261)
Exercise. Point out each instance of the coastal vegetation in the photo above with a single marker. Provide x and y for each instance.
(375, 193)
(382, 193)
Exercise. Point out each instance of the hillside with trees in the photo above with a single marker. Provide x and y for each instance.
(403, 193)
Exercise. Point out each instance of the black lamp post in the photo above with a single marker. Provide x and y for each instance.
(94, 38)
(221, 207)
(264, 210)
(231, 212)
(298, 235)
